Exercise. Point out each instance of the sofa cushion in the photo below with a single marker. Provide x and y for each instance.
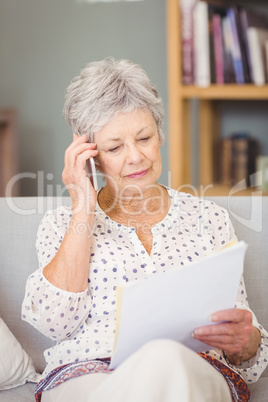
(259, 390)
(16, 366)
(24, 393)
(20, 218)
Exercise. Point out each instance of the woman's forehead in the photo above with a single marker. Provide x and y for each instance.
(125, 124)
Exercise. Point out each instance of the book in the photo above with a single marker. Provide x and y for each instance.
(218, 48)
(160, 307)
(242, 44)
(212, 56)
(250, 18)
(187, 40)
(240, 157)
(201, 45)
(239, 153)
(229, 74)
(235, 46)
(256, 39)
(226, 170)
(262, 169)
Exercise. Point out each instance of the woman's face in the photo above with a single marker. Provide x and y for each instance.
(129, 152)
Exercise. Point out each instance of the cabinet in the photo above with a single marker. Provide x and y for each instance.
(8, 152)
(208, 117)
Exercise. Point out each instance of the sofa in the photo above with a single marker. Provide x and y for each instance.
(20, 218)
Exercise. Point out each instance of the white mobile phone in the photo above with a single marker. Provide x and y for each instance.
(91, 172)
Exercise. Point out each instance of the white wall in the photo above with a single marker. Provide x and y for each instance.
(45, 43)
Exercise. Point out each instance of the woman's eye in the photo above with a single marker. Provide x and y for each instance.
(144, 139)
(113, 149)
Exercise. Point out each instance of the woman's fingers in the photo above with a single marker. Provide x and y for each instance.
(231, 335)
(83, 157)
(81, 152)
(74, 174)
(77, 147)
(233, 315)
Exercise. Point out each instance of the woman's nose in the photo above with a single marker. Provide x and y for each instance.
(134, 155)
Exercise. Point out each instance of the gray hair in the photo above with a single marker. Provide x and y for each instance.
(105, 88)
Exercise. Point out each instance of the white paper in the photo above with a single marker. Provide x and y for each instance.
(173, 304)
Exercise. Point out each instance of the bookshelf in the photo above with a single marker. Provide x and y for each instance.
(8, 150)
(179, 98)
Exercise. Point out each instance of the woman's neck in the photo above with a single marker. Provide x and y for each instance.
(154, 201)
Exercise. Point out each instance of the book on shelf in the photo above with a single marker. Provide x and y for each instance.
(239, 153)
(223, 44)
(226, 160)
(211, 38)
(262, 169)
(257, 38)
(229, 74)
(202, 76)
(249, 19)
(235, 47)
(242, 44)
(218, 48)
(187, 40)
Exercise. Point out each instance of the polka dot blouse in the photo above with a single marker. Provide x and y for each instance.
(83, 324)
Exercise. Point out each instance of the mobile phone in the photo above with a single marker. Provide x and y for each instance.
(91, 172)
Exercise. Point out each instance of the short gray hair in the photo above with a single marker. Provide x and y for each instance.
(105, 88)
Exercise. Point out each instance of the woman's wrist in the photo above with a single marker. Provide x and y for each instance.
(248, 352)
(233, 359)
(81, 225)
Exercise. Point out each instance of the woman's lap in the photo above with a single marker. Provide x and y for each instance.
(161, 371)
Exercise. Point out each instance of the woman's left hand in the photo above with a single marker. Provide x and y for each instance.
(234, 334)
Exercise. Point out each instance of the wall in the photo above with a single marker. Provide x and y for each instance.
(44, 44)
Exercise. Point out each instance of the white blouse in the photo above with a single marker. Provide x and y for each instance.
(83, 324)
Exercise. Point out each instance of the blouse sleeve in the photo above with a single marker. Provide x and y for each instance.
(224, 234)
(56, 313)
(252, 369)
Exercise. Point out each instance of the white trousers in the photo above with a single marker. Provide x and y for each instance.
(161, 371)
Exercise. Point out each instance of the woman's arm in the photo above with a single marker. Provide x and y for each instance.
(57, 299)
(68, 270)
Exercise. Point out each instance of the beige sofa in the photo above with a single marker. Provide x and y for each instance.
(20, 218)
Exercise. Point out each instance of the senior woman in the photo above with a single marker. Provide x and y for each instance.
(131, 228)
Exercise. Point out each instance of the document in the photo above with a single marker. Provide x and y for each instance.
(173, 304)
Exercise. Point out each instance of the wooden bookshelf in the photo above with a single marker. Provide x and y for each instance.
(8, 151)
(226, 91)
(209, 99)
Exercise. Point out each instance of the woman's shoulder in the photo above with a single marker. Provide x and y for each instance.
(188, 202)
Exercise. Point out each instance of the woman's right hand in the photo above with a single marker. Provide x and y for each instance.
(75, 178)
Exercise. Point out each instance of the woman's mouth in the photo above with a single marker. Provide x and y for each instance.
(137, 175)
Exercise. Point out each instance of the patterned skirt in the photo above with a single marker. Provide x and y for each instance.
(63, 373)
(239, 389)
